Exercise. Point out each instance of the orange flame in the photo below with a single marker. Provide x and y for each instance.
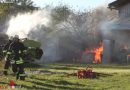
(97, 53)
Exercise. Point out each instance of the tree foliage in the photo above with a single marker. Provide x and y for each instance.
(12, 7)
(20, 2)
(60, 13)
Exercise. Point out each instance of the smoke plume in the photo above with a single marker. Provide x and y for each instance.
(61, 40)
(23, 24)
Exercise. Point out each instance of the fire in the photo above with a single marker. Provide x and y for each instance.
(97, 53)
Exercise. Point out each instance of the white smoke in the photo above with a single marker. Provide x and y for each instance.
(61, 41)
(22, 24)
(106, 26)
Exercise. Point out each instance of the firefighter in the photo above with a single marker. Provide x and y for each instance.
(17, 49)
(7, 56)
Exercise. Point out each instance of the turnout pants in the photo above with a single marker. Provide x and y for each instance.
(18, 68)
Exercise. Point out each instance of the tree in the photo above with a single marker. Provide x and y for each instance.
(26, 2)
(21, 2)
(60, 14)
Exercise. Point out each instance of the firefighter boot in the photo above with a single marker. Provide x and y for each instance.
(22, 77)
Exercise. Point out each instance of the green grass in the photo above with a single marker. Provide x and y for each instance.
(54, 77)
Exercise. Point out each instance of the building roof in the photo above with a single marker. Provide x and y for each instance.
(118, 3)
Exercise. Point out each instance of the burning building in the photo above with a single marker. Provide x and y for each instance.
(116, 36)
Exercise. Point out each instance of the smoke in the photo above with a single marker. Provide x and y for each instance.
(69, 38)
(61, 40)
(32, 25)
(3, 38)
(23, 24)
(106, 27)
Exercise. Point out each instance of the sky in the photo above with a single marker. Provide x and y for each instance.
(75, 4)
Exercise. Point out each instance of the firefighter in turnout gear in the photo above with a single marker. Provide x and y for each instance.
(7, 56)
(17, 49)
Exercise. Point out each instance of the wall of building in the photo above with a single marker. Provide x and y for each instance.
(124, 11)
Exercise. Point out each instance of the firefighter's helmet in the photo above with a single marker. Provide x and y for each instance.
(16, 36)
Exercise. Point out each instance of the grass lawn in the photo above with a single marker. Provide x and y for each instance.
(54, 77)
